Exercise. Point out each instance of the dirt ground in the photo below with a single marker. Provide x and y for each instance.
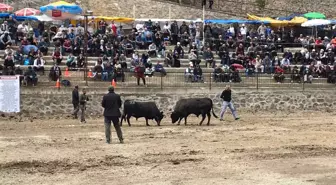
(261, 148)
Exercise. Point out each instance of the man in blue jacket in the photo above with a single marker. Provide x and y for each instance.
(111, 104)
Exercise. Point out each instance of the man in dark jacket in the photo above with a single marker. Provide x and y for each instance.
(75, 101)
(83, 99)
(111, 104)
(226, 96)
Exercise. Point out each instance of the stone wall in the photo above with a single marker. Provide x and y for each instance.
(59, 104)
(227, 9)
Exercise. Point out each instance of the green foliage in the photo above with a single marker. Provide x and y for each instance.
(261, 3)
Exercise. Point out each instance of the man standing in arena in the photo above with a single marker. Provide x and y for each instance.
(75, 101)
(226, 96)
(111, 104)
(83, 99)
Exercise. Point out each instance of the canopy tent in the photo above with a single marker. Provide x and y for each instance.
(314, 15)
(61, 10)
(236, 21)
(116, 19)
(278, 23)
(271, 21)
(26, 18)
(316, 22)
(27, 12)
(74, 20)
(4, 15)
(5, 8)
(169, 20)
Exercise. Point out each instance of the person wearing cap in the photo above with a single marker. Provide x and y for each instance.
(75, 102)
(226, 97)
(111, 103)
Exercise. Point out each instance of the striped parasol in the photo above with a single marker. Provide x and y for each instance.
(27, 12)
(5, 8)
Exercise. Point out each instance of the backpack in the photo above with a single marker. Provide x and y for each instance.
(66, 83)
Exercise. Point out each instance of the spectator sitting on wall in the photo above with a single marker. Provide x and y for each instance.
(5, 40)
(235, 75)
(185, 39)
(43, 46)
(169, 59)
(55, 73)
(250, 69)
(189, 73)
(285, 64)
(19, 71)
(226, 74)
(39, 64)
(152, 50)
(193, 58)
(107, 72)
(296, 75)
(57, 56)
(179, 50)
(198, 74)
(9, 51)
(71, 62)
(218, 73)
(259, 64)
(118, 72)
(209, 58)
(9, 62)
(18, 57)
(80, 61)
(279, 74)
(30, 77)
(67, 46)
(159, 68)
(98, 68)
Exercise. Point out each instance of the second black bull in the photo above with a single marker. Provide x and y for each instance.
(197, 106)
(148, 110)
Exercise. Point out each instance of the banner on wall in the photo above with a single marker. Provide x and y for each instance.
(9, 94)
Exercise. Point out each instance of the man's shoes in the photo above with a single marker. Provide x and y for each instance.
(83, 121)
(221, 120)
(121, 141)
(237, 118)
(108, 142)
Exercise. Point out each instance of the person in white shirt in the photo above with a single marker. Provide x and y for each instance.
(152, 50)
(4, 27)
(243, 31)
(39, 64)
(9, 51)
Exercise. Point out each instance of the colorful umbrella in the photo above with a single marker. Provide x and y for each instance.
(238, 66)
(314, 15)
(61, 10)
(5, 8)
(316, 22)
(27, 12)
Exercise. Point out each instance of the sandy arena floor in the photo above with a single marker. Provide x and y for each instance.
(260, 149)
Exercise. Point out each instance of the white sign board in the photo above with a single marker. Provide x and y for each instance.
(9, 94)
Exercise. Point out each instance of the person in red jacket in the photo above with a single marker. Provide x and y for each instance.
(140, 73)
(57, 56)
(279, 74)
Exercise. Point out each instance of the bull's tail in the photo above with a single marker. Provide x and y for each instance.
(123, 117)
(213, 113)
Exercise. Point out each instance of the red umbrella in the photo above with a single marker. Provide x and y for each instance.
(27, 12)
(5, 8)
(238, 66)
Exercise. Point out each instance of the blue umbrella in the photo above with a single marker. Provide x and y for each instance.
(27, 48)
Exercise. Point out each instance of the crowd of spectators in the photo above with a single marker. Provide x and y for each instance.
(254, 48)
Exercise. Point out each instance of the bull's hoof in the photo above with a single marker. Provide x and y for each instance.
(147, 125)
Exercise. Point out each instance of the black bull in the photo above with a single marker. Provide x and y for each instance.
(148, 110)
(197, 106)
